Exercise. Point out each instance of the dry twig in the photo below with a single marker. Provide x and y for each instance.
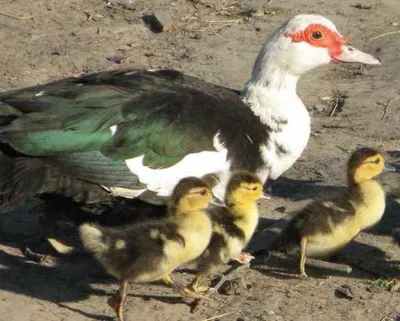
(267, 3)
(334, 108)
(20, 17)
(219, 316)
(225, 21)
(384, 318)
(316, 263)
(385, 34)
(337, 101)
(386, 107)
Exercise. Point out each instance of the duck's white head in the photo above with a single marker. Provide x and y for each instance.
(303, 43)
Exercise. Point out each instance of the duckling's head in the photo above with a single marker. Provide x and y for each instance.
(190, 194)
(243, 187)
(366, 163)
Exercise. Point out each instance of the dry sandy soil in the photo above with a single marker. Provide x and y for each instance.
(211, 40)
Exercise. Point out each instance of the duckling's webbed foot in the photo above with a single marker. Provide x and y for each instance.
(195, 293)
(244, 258)
(167, 280)
(304, 275)
(199, 289)
(115, 303)
(194, 289)
(184, 291)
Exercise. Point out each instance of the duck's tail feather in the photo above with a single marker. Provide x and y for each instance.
(20, 179)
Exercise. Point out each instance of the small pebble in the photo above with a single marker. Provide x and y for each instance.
(362, 6)
(116, 59)
(281, 209)
(159, 21)
(344, 292)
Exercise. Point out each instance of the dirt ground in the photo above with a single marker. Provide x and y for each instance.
(213, 40)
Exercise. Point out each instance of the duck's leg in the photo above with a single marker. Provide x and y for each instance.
(303, 244)
(117, 302)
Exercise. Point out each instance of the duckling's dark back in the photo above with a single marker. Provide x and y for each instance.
(318, 217)
(221, 216)
(119, 248)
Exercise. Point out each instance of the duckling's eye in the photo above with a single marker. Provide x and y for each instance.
(203, 192)
(255, 188)
(317, 35)
(376, 161)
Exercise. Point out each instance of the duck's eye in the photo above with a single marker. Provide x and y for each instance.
(376, 161)
(203, 192)
(317, 35)
(255, 188)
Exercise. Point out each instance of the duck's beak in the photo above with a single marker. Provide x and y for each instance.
(351, 54)
(389, 168)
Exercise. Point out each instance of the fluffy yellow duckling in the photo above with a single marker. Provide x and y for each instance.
(151, 250)
(325, 226)
(233, 227)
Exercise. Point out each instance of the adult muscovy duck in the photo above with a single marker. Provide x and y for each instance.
(136, 133)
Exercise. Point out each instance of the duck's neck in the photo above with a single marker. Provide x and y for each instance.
(269, 76)
(271, 85)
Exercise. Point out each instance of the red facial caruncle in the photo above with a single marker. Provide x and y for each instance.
(318, 35)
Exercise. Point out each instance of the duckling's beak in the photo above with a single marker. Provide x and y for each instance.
(351, 54)
(216, 201)
(265, 196)
(389, 168)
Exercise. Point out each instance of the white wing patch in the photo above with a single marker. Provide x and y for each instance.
(162, 181)
(129, 73)
(113, 129)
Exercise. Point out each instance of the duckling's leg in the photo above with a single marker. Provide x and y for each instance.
(167, 280)
(183, 290)
(117, 302)
(303, 244)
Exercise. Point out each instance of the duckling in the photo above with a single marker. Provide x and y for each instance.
(150, 250)
(325, 227)
(396, 230)
(233, 227)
